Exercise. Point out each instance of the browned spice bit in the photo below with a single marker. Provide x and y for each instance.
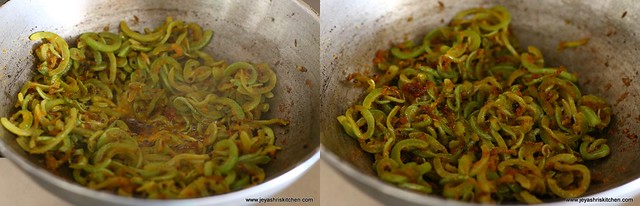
(622, 97)
(638, 118)
(607, 86)
(606, 64)
(135, 19)
(611, 31)
(625, 131)
(633, 137)
(301, 69)
(410, 19)
(597, 177)
(282, 108)
(612, 131)
(415, 89)
(440, 6)
(308, 83)
(355, 154)
(568, 21)
(137, 126)
(105, 28)
(624, 14)
(381, 55)
(626, 81)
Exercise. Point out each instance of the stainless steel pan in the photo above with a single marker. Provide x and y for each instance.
(284, 34)
(351, 33)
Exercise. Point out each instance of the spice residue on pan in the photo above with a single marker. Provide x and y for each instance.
(622, 97)
(626, 81)
(598, 178)
(301, 68)
(568, 21)
(633, 137)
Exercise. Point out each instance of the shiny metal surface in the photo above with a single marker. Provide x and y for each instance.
(283, 33)
(351, 33)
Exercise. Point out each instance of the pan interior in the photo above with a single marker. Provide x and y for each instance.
(257, 32)
(604, 65)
